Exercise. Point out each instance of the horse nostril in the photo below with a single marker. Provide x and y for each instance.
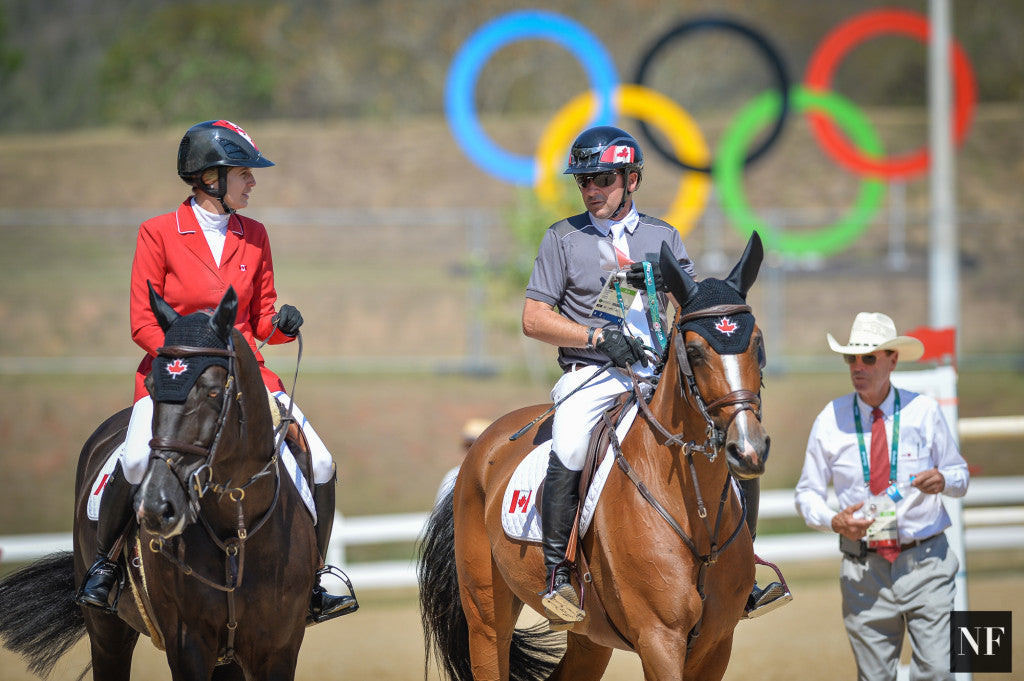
(167, 512)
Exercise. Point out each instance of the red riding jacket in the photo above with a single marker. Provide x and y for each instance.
(172, 253)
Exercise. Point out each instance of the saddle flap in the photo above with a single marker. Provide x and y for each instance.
(520, 515)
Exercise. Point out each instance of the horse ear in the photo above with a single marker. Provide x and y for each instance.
(165, 314)
(679, 283)
(223, 319)
(745, 272)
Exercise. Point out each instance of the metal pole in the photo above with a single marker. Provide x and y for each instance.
(944, 271)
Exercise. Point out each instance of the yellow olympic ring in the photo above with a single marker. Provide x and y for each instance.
(639, 102)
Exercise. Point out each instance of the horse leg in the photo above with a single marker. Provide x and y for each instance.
(662, 654)
(583, 659)
(491, 613)
(712, 664)
(112, 644)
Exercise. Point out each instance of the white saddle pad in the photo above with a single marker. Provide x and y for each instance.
(520, 517)
(287, 459)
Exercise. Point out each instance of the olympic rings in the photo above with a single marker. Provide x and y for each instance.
(470, 59)
(760, 42)
(641, 102)
(728, 173)
(838, 43)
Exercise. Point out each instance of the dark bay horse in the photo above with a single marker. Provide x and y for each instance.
(223, 549)
(667, 562)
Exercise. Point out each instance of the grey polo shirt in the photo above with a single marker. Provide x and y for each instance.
(567, 273)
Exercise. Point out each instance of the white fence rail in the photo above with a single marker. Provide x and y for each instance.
(993, 517)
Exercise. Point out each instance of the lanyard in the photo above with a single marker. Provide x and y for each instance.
(653, 317)
(895, 439)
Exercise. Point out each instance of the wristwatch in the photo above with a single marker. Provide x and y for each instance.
(590, 337)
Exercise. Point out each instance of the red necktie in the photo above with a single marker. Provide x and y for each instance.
(880, 469)
(879, 453)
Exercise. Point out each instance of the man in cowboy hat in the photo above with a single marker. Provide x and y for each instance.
(892, 448)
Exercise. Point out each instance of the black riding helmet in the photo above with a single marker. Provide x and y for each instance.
(606, 148)
(216, 144)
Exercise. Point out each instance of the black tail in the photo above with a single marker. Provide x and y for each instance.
(39, 619)
(535, 651)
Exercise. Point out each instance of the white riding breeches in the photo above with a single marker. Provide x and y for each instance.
(135, 452)
(323, 462)
(576, 417)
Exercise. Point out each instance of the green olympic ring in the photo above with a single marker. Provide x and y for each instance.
(728, 172)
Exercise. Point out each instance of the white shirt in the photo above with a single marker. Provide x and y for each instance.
(834, 458)
(215, 229)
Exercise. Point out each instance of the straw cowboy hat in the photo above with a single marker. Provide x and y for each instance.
(875, 331)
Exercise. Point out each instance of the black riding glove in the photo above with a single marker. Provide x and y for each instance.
(622, 350)
(288, 320)
(635, 276)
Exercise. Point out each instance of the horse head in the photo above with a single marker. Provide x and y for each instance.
(190, 384)
(720, 355)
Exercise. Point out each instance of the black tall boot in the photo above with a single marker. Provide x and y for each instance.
(322, 605)
(114, 516)
(558, 513)
(776, 594)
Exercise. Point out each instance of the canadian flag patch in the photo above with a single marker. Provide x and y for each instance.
(176, 368)
(725, 326)
(520, 500)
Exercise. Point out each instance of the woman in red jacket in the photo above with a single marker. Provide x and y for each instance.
(191, 256)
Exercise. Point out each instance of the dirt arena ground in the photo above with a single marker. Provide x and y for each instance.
(804, 640)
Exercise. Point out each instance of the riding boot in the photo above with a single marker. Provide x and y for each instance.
(558, 514)
(322, 605)
(114, 516)
(776, 594)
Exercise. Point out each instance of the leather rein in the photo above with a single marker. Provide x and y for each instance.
(714, 438)
(164, 448)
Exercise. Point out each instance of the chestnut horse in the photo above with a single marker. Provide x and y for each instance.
(227, 555)
(667, 562)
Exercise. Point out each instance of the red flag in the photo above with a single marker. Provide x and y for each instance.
(939, 344)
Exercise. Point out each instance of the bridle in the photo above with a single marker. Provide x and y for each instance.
(200, 482)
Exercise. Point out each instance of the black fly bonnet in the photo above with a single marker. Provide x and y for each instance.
(174, 373)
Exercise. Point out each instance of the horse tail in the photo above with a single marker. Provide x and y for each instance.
(39, 619)
(534, 652)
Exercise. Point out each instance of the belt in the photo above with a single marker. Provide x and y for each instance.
(913, 544)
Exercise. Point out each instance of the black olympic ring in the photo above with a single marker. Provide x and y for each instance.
(760, 42)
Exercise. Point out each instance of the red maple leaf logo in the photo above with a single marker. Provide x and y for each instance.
(725, 326)
(176, 368)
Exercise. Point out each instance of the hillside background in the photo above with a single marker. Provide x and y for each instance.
(405, 258)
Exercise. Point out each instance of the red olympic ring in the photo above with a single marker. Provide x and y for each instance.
(823, 65)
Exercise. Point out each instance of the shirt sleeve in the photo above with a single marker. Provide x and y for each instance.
(547, 281)
(812, 488)
(148, 265)
(679, 250)
(947, 457)
(262, 306)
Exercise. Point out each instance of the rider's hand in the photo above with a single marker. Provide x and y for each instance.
(635, 276)
(622, 350)
(288, 320)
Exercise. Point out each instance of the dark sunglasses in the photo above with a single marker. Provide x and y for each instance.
(602, 180)
(868, 360)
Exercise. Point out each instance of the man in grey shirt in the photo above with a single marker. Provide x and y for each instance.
(564, 307)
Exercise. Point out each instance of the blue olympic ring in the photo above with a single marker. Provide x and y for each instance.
(469, 61)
